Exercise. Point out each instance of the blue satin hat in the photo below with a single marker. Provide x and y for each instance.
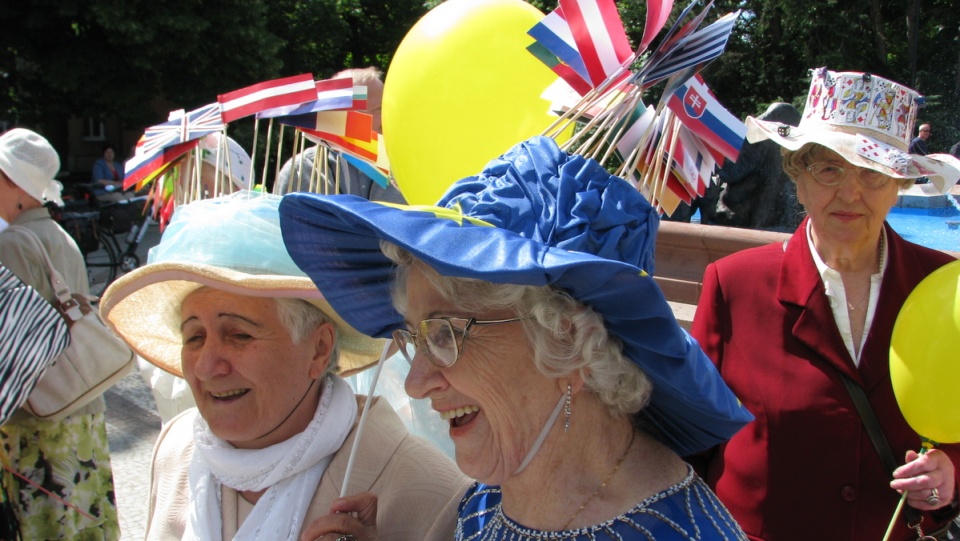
(535, 216)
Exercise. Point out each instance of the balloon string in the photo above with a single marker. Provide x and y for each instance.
(926, 445)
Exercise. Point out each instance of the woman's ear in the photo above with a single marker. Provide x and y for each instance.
(574, 380)
(323, 340)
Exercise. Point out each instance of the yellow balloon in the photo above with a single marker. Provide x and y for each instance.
(460, 91)
(924, 355)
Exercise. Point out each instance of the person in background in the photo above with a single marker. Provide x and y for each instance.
(918, 145)
(786, 323)
(107, 170)
(68, 459)
(268, 447)
(526, 307)
(340, 175)
(232, 174)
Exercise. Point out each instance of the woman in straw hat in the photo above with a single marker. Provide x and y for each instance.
(786, 323)
(267, 448)
(525, 305)
(67, 460)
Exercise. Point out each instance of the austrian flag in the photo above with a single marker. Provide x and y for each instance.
(267, 95)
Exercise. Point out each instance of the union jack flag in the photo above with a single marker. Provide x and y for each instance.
(202, 121)
(181, 127)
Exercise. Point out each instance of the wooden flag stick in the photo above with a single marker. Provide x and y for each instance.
(266, 148)
(253, 152)
(276, 174)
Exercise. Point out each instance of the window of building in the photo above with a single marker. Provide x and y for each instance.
(93, 130)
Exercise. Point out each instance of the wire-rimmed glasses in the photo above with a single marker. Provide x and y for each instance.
(830, 174)
(440, 338)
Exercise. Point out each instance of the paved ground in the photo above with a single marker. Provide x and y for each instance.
(132, 428)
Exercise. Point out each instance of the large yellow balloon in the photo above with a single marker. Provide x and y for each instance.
(925, 356)
(461, 90)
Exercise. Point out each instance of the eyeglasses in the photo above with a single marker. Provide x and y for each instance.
(830, 174)
(440, 338)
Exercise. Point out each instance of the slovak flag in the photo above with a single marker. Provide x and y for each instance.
(697, 109)
(267, 95)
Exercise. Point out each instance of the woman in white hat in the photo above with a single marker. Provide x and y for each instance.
(789, 325)
(268, 447)
(69, 459)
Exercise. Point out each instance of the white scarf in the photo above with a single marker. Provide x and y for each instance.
(290, 471)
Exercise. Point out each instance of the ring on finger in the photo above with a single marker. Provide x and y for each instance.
(346, 537)
(934, 497)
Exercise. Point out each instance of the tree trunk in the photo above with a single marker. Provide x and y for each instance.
(879, 37)
(913, 17)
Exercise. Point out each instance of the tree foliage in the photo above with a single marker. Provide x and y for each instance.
(777, 42)
(138, 59)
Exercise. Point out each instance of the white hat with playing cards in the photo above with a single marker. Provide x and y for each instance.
(866, 119)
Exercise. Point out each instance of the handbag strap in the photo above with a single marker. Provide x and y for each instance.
(68, 305)
(870, 423)
(877, 438)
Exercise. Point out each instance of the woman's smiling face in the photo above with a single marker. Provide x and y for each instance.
(494, 398)
(245, 370)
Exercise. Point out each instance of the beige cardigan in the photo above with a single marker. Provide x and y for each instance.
(17, 254)
(418, 488)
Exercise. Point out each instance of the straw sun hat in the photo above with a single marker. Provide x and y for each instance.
(231, 243)
(866, 119)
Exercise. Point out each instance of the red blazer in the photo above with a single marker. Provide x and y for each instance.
(805, 468)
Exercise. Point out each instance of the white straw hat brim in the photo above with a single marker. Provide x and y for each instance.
(861, 150)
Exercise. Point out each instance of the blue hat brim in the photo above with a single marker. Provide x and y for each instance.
(336, 241)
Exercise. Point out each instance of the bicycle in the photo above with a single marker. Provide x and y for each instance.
(98, 228)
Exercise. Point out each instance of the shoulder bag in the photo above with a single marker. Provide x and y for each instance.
(949, 532)
(95, 360)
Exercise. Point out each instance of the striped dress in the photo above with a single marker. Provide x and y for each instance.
(32, 333)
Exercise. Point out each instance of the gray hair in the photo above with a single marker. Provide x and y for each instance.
(300, 318)
(361, 76)
(567, 336)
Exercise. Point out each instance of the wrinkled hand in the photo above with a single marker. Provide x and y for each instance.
(923, 473)
(354, 515)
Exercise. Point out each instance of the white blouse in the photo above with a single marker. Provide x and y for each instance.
(833, 287)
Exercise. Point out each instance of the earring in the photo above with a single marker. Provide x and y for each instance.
(566, 410)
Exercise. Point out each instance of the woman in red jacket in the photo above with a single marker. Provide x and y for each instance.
(784, 322)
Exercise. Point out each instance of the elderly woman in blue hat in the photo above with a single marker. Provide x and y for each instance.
(526, 307)
(801, 331)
